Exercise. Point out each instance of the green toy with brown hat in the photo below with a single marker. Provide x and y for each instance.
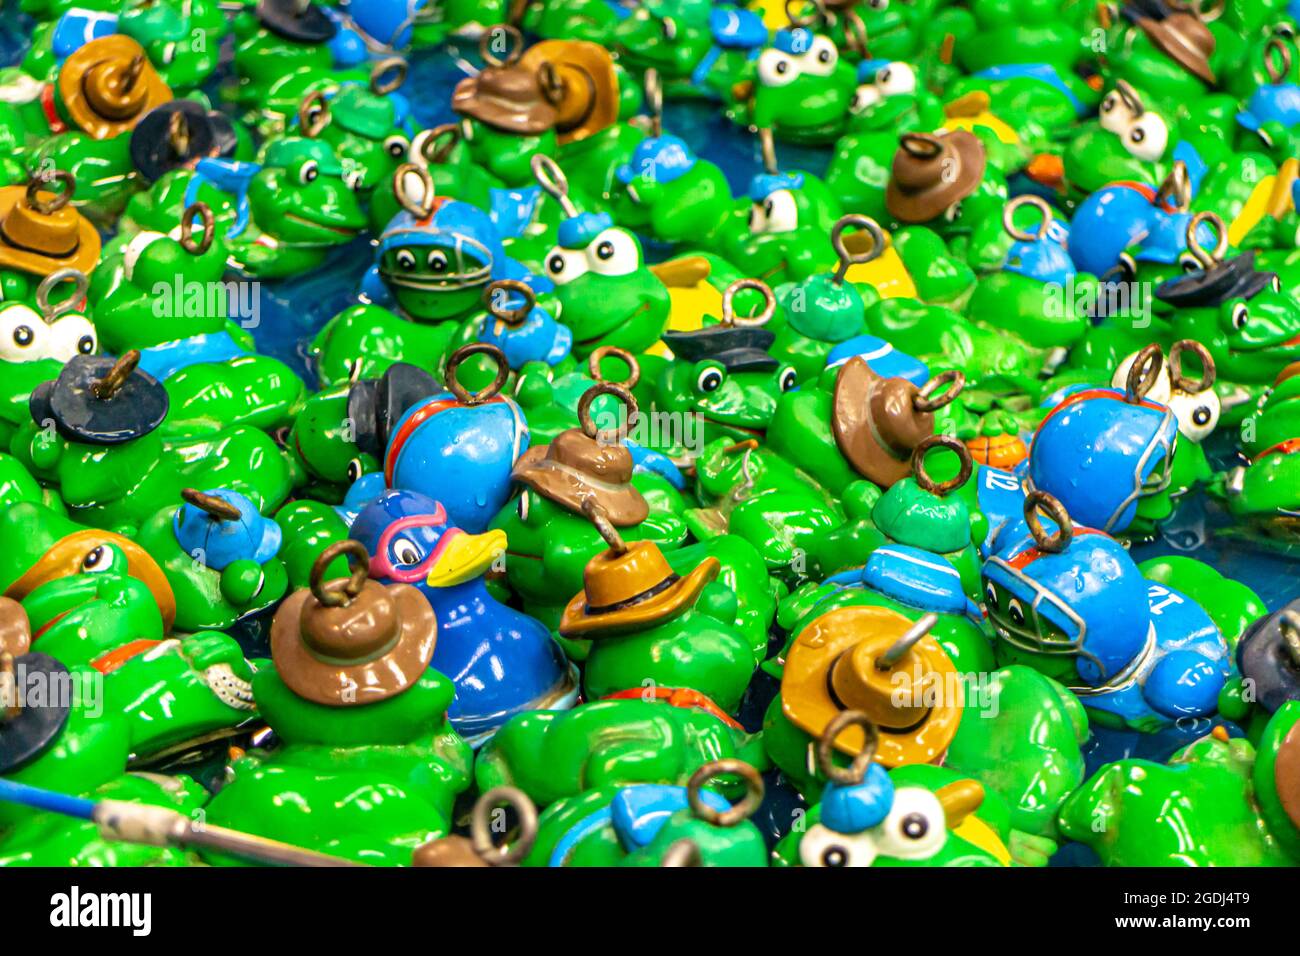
(366, 751)
(41, 232)
(651, 627)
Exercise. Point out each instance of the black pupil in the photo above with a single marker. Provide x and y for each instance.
(437, 263)
(86, 345)
(915, 826)
(824, 56)
(883, 77)
(556, 264)
(1201, 415)
(782, 66)
(711, 381)
(94, 558)
(834, 856)
(406, 260)
(309, 174)
(605, 250)
(23, 335)
(1016, 615)
(1138, 135)
(396, 148)
(767, 207)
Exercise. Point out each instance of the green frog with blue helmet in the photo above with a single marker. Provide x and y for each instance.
(1069, 601)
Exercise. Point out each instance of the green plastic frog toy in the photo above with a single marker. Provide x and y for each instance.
(553, 755)
(1141, 813)
(790, 215)
(801, 90)
(278, 217)
(366, 749)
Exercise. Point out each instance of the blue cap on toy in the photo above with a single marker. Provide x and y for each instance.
(577, 231)
(220, 527)
(660, 159)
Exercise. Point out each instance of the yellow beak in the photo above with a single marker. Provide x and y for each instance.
(466, 557)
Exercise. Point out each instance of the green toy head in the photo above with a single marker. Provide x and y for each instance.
(368, 129)
(182, 39)
(790, 216)
(803, 88)
(300, 195)
(606, 293)
(1132, 140)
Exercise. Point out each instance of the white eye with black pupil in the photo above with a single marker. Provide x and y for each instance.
(1016, 612)
(405, 552)
(709, 380)
(96, 560)
(437, 261)
(309, 172)
(1240, 316)
(406, 259)
(788, 380)
(396, 146)
(991, 594)
(523, 507)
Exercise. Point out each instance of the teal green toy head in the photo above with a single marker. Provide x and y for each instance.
(803, 88)
(300, 195)
(606, 293)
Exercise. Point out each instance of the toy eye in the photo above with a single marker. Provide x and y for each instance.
(565, 265)
(354, 178)
(1189, 262)
(821, 57)
(523, 507)
(1016, 612)
(467, 131)
(710, 379)
(776, 69)
(396, 146)
(823, 847)
(952, 213)
(354, 469)
(670, 28)
(22, 334)
(1128, 264)
(757, 218)
(1114, 114)
(915, 828)
(70, 336)
(437, 261)
(613, 253)
(1275, 283)
(406, 552)
(897, 79)
(308, 172)
(1147, 138)
(1202, 415)
(878, 5)
(406, 260)
(864, 97)
(991, 594)
(788, 380)
(100, 559)
(168, 53)
(1240, 315)
(780, 212)
(1197, 414)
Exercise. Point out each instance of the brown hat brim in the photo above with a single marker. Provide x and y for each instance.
(807, 703)
(510, 116)
(113, 47)
(1170, 43)
(855, 434)
(84, 258)
(65, 557)
(568, 487)
(924, 205)
(332, 684)
(671, 601)
(586, 71)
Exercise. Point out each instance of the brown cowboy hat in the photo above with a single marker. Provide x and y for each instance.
(68, 556)
(1185, 40)
(931, 172)
(109, 84)
(832, 666)
(588, 102)
(878, 421)
(631, 590)
(41, 232)
(368, 643)
(574, 468)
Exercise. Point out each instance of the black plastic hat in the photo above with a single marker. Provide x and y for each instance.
(1235, 278)
(738, 348)
(101, 401)
(177, 134)
(298, 20)
(375, 404)
(28, 728)
(1269, 660)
